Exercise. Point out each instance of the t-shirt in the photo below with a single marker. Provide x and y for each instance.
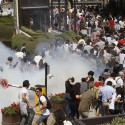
(122, 41)
(67, 122)
(37, 59)
(119, 81)
(112, 102)
(88, 48)
(106, 92)
(98, 83)
(19, 54)
(122, 59)
(110, 79)
(23, 90)
(45, 111)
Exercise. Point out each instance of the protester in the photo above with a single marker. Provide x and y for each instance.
(106, 92)
(42, 103)
(86, 101)
(27, 113)
(68, 86)
(9, 12)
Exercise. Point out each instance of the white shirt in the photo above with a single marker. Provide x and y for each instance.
(66, 47)
(82, 41)
(67, 122)
(122, 59)
(37, 59)
(9, 12)
(112, 102)
(73, 46)
(108, 39)
(119, 81)
(25, 91)
(88, 48)
(84, 31)
(101, 44)
(110, 79)
(45, 111)
(121, 23)
(19, 54)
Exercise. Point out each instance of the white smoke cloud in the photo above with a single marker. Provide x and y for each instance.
(61, 69)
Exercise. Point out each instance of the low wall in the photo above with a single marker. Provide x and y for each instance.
(97, 120)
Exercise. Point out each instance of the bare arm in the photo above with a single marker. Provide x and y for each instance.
(44, 105)
(25, 99)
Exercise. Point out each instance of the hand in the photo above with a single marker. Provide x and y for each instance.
(77, 96)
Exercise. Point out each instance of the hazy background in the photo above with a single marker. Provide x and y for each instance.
(61, 68)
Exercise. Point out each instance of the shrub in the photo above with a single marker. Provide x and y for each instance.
(38, 36)
(57, 97)
(30, 31)
(116, 121)
(6, 32)
(6, 20)
(19, 39)
(70, 35)
(13, 109)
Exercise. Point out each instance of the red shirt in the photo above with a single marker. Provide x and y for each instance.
(122, 41)
(111, 22)
(98, 83)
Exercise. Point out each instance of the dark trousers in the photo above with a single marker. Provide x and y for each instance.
(74, 109)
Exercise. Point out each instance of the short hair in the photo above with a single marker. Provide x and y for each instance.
(26, 83)
(83, 79)
(109, 83)
(113, 74)
(10, 59)
(91, 73)
(72, 79)
(39, 89)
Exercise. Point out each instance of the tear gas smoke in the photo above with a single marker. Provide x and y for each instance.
(62, 67)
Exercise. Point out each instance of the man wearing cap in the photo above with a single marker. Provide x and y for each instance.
(27, 113)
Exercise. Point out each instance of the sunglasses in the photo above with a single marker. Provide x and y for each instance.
(37, 91)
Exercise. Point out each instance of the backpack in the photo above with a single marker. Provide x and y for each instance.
(48, 102)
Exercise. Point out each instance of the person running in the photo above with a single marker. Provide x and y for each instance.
(42, 103)
(27, 113)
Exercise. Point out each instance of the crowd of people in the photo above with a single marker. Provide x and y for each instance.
(103, 41)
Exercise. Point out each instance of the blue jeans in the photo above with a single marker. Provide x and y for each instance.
(42, 119)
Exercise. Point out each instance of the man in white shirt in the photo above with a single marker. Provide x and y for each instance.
(37, 59)
(19, 54)
(42, 103)
(119, 80)
(112, 79)
(9, 12)
(88, 47)
(122, 24)
(27, 112)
